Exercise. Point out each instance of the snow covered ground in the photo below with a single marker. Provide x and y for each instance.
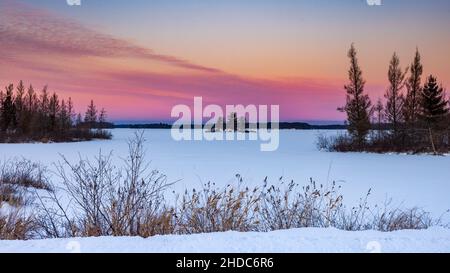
(411, 180)
(284, 241)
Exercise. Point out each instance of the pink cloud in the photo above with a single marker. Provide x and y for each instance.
(24, 29)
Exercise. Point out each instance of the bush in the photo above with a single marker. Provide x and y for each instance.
(109, 201)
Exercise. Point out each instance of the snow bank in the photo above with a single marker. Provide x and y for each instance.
(286, 241)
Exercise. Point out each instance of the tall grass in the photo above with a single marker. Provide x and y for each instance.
(19, 179)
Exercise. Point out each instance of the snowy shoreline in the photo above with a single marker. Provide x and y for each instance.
(305, 240)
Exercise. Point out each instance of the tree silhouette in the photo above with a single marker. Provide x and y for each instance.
(394, 97)
(358, 103)
(413, 86)
(433, 104)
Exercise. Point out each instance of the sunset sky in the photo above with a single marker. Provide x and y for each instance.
(140, 58)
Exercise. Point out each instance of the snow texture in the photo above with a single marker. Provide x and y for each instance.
(309, 240)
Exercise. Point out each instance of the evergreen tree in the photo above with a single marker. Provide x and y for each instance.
(8, 114)
(394, 97)
(433, 103)
(63, 117)
(102, 118)
(19, 98)
(30, 111)
(19, 102)
(31, 99)
(90, 117)
(2, 98)
(53, 110)
(70, 112)
(357, 102)
(44, 123)
(79, 120)
(413, 86)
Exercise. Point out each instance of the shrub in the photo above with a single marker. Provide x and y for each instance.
(108, 200)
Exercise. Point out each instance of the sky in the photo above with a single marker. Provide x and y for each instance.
(140, 58)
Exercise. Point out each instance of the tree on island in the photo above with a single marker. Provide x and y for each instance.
(102, 122)
(90, 118)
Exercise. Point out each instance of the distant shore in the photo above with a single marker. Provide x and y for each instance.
(282, 126)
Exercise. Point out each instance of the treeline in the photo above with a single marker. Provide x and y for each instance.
(281, 125)
(26, 115)
(413, 117)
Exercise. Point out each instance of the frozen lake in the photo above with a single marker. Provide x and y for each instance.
(414, 180)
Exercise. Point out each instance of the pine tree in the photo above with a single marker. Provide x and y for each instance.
(433, 103)
(63, 117)
(19, 99)
(79, 120)
(413, 86)
(102, 118)
(30, 111)
(91, 115)
(394, 97)
(53, 110)
(44, 101)
(2, 98)
(357, 102)
(19, 102)
(8, 114)
(70, 112)
(44, 122)
(31, 99)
